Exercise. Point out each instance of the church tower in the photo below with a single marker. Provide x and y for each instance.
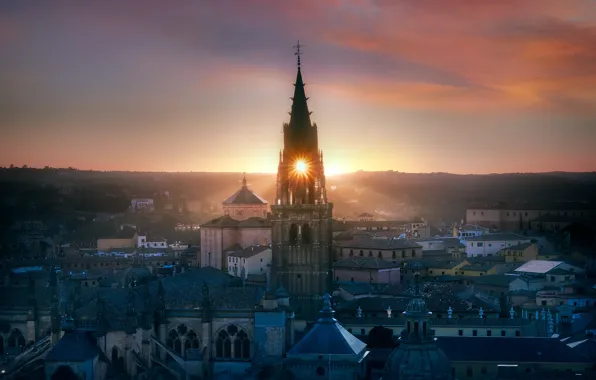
(301, 216)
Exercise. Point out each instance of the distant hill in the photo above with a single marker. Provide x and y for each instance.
(389, 195)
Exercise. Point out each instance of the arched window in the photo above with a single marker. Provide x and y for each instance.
(306, 234)
(232, 343)
(293, 238)
(16, 339)
(180, 337)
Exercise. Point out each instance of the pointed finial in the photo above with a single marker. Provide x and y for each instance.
(298, 53)
(481, 312)
(449, 312)
(388, 311)
(511, 313)
(244, 180)
(359, 312)
(326, 313)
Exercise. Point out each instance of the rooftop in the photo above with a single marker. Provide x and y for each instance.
(538, 266)
(248, 251)
(328, 337)
(378, 244)
(244, 196)
(365, 263)
(227, 221)
(500, 236)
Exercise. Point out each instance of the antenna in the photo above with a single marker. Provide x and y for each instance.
(298, 53)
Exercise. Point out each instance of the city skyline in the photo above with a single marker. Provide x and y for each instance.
(469, 88)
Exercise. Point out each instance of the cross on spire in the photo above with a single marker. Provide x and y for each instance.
(298, 53)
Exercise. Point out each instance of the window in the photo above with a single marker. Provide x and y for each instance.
(393, 255)
(403, 253)
(460, 333)
(320, 371)
(483, 370)
(361, 253)
(503, 333)
(474, 332)
(489, 333)
(517, 333)
(469, 372)
(232, 343)
(380, 255)
(479, 244)
(299, 276)
(362, 331)
(370, 254)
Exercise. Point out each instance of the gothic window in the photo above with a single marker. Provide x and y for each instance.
(306, 234)
(180, 337)
(293, 238)
(16, 339)
(232, 343)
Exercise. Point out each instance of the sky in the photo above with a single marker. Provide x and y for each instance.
(459, 86)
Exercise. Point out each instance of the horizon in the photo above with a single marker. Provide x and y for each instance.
(465, 89)
(27, 167)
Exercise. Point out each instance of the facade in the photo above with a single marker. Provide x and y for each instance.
(389, 249)
(528, 217)
(126, 238)
(142, 204)
(301, 216)
(491, 244)
(245, 204)
(520, 252)
(249, 261)
(219, 235)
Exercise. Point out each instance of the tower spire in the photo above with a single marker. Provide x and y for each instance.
(244, 180)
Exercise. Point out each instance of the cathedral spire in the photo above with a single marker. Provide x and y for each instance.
(300, 116)
(244, 185)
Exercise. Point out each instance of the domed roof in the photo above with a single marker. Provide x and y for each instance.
(417, 362)
(417, 305)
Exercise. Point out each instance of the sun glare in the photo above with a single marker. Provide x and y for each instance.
(301, 166)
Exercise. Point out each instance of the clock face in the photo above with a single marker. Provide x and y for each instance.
(239, 212)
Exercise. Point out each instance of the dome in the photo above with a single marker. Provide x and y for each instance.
(417, 305)
(417, 362)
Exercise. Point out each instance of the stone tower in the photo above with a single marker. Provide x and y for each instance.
(301, 216)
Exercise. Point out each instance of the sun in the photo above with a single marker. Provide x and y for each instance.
(301, 167)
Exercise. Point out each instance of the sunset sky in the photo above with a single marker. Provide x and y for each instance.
(460, 86)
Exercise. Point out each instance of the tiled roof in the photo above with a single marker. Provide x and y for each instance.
(244, 197)
(502, 236)
(509, 350)
(328, 337)
(518, 247)
(76, 346)
(227, 221)
(365, 263)
(249, 251)
(382, 244)
(538, 266)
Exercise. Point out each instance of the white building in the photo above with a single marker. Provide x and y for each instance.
(142, 204)
(251, 260)
(470, 230)
(151, 243)
(490, 244)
